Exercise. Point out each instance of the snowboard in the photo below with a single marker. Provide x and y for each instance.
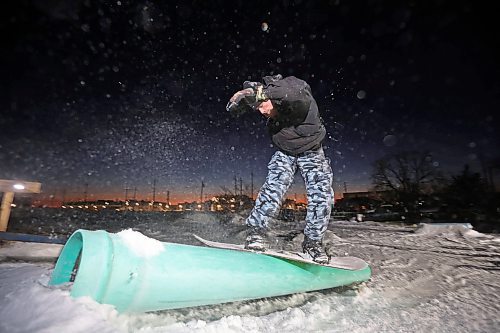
(348, 263)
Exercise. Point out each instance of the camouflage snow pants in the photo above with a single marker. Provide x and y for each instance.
(318, 178)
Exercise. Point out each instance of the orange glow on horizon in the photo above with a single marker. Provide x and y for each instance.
(175, 198)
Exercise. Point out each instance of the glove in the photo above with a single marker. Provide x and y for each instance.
(241, 101)
(250, 84)
(258, 89)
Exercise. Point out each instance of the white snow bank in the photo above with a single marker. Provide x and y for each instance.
(28, 305)
(428, 229)
(475, 234)
(29, 251)
(463, 230)
(141, 245)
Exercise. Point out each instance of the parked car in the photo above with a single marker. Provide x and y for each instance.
(386, 213)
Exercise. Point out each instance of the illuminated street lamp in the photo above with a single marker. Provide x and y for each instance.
(9, 187)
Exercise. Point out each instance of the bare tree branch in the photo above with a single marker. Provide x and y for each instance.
(407, 174)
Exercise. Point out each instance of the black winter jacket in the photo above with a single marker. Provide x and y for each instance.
(298, 126)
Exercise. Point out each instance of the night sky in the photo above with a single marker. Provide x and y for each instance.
(117, 94)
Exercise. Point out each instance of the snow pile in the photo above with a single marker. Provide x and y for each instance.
(29, 305)
(474, 234)
(451, 229)
(30, 251)
(141, 245)
(427, 229)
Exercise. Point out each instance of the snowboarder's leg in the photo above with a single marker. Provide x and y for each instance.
(318, 177)
(282, 169)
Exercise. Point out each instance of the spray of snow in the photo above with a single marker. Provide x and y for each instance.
(139, 244)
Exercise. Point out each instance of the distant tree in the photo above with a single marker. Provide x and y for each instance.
(467, 189)
(408, 175)
(489, 168)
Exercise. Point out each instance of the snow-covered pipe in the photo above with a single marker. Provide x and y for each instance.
(139, 274)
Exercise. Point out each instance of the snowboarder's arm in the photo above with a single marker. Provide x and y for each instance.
(239, 103)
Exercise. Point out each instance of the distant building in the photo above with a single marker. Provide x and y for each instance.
(361, 201)
(128, 205)
(376, 195)
(230, 203)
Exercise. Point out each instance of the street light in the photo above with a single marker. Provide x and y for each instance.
(9, 187)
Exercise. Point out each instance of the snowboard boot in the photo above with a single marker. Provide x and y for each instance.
(256, 239)
(315, 250)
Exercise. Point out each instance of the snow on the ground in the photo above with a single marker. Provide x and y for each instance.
(425, 279)
(30, 251)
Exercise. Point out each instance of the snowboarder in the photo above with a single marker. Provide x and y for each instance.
(297, 131)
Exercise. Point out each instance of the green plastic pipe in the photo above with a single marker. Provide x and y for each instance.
(103, 266)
